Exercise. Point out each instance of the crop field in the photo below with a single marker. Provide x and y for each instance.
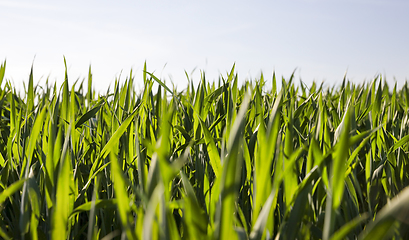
(217, 160)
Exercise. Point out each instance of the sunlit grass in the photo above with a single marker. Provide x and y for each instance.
(214, 161)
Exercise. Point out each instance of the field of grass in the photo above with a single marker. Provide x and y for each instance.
(214, 161)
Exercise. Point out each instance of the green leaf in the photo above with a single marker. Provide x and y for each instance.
(2, 71)
(35, 132)
(88, 115)
(340, 156)
(59, 227)
(114, 140)
(395, 211)
(99, 204)
(340, 160)
(35, 203)
(121, 196)
(214, 157)
(350, 226)
(2, 161)
(10, 190)
(231, 176)
(259, 226)
(195, 219)
(150, 226)
(30, 93)
(399, 144)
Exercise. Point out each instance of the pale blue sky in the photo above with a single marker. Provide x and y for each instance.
(322, 39)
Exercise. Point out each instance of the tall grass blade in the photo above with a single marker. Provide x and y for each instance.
(2, 71)
(63, 204)
(121, 196)
(231, 173)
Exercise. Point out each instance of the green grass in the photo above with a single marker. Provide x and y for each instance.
(214, 161)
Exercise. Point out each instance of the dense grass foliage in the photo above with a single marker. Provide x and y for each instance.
(216, 161)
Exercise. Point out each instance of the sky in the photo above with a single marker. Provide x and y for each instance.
(321, 40)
